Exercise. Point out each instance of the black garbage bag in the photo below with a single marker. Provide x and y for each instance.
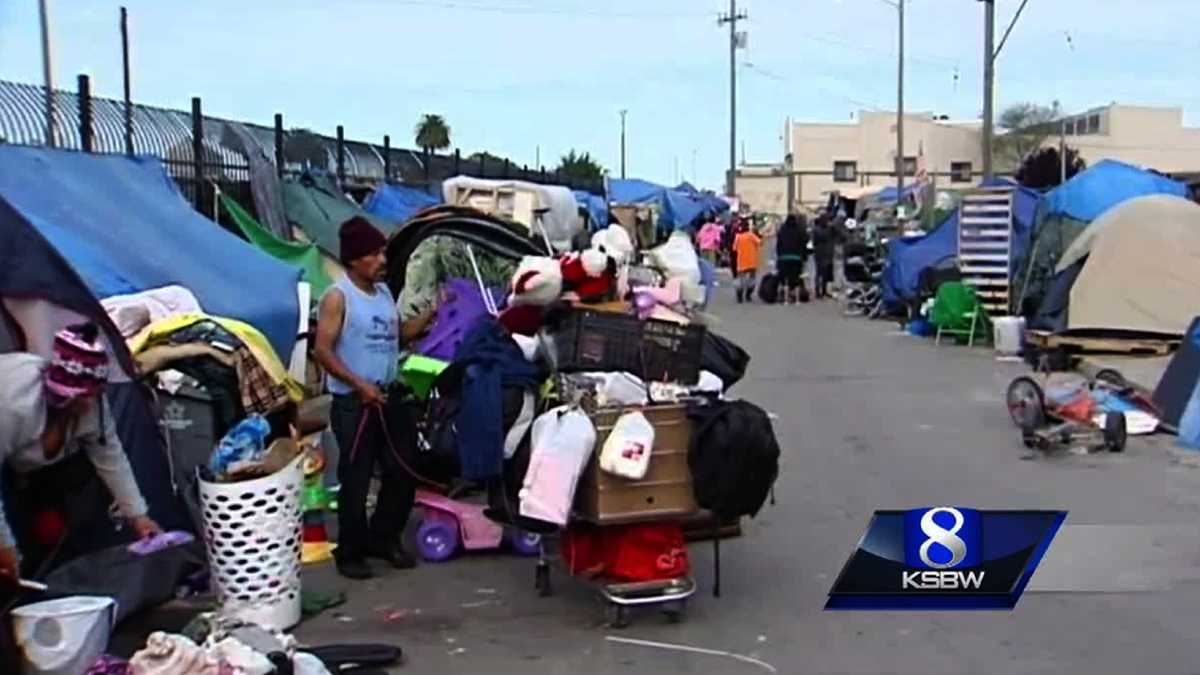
(723, 358)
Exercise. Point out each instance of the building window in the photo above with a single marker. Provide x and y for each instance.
(1094, 124)
(1080, 126)
(960, 172)
(910, 166)
(845, 172)
(1068, 127)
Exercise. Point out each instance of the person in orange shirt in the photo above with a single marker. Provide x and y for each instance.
(746, 248)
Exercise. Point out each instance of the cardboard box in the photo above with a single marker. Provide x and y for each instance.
(665, 493)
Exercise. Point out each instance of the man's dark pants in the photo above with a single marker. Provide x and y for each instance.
(357, 463)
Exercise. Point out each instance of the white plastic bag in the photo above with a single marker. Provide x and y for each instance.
(561, 444)
(626, 453)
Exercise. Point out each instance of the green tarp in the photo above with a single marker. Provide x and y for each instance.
(314, 204)
(304, 256)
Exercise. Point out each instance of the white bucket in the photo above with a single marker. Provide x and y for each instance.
(1008, 334)
(252, 530)
(63, 636)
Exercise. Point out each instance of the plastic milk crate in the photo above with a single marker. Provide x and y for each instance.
(653, 350)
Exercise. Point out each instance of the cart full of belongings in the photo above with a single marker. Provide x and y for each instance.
(587, 401)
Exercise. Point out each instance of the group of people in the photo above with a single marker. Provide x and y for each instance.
(795, 243)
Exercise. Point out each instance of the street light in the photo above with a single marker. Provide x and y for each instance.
(623, 113)
(899, 5)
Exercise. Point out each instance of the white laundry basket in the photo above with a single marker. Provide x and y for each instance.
(63, 636)
(253, 533)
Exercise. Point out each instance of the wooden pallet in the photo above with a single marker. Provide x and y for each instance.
(1146, 347)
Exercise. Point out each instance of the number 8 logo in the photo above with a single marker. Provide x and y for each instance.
(947, 539)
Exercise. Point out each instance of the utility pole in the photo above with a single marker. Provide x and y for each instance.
(1062, 150)
(732, 18)
(900, 163)
(125, 65)
(989, 81)
(47, 71)
(623, 113)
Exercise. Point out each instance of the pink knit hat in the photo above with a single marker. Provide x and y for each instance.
(80, 364)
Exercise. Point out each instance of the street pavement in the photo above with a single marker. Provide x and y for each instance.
(867, 418)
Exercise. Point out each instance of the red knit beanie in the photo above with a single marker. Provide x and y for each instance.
(357, 237)
(79, 366)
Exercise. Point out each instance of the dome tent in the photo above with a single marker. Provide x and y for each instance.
(1065, 212)
(1135, 270)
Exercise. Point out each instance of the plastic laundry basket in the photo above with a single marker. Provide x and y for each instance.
(63, 636)
(253, 532)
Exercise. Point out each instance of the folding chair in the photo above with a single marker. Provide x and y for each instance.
(958, 312)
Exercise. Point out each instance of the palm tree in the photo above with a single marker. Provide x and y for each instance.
(432, 133)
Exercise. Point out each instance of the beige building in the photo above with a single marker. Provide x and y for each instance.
(822, 157)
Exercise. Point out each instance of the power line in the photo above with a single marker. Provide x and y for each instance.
(552, 10)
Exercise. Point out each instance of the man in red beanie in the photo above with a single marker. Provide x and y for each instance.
(359, 334)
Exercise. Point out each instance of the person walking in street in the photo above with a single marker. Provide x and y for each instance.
(747, 246)
(791, 247)
(53, 409)
(709, 239)
(358, 340)
(824, 242)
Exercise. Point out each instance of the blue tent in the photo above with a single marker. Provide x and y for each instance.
(121, 225)
(399, 203)
(1108, 183)
(888, 194)
(596, 207)
(633, 191)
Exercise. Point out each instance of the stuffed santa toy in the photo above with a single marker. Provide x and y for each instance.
(537, 283)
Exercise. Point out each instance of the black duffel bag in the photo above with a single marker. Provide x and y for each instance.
(723, 358)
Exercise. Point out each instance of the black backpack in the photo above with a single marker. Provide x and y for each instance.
(768, 289)
(734, 457)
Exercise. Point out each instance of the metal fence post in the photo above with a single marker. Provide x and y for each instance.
(483, 165)
(341, 155)
(198, 153)
(457, 161)
(507, 168)
(85, 113)
(387, 158)
(279, 161)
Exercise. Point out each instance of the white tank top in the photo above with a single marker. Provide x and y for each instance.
(370, 341)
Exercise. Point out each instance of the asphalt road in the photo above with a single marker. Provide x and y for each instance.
(867, 419)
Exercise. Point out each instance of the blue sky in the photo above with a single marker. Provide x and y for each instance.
(513, 75)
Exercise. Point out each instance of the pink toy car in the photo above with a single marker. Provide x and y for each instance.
(448, 524)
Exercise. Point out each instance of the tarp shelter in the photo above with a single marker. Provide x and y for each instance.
(560, 213)
(305, 257)
(79, 227)
(909, 256)
(122, 226)
(1066, 211)
(398, 203)
(677, 208)
(1138, 268)
(597, 209)
(316, 206)
(1177, 386)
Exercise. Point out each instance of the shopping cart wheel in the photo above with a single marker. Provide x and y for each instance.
(541, 579)
(437, 537)
(618, 615)
(674, 611)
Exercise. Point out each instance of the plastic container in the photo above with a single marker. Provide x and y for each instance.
(253, 531)
(63, 636)
(652, 350)
(1008, 334)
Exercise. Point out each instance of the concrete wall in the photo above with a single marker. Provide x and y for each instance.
(763, 192)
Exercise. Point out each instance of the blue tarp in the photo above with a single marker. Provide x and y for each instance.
(677, 208)
(398, 203)
(1108, 183)
(888, 194)
(908, 257)
(596, 207)
(123, 226)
